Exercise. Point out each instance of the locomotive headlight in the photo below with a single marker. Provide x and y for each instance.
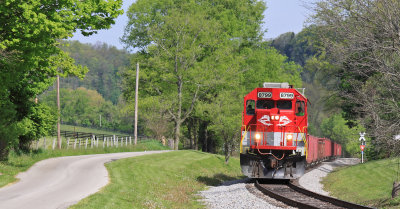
(258, 137)
(289, 136)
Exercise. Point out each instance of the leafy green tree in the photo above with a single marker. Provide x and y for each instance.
(336, 129)
(179, 41)
(29, 37)
(361, 39)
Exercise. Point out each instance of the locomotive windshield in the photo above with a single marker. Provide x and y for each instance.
(265, 104)
(284, 105)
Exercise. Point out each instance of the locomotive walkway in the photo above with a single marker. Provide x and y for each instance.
(60, 182)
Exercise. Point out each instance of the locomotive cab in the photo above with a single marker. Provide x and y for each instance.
(274, 130)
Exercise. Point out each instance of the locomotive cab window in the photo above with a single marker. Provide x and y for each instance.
(300, 108)
(284, 104)
(265, 104)
(250, 105)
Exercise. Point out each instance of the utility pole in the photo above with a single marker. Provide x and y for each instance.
(136, 100)
(58, 113)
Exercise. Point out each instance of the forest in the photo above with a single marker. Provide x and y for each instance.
(197, 60)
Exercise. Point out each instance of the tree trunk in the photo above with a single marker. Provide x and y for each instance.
(177, 133)
(3, 150)
(190, 126)
(396, 188)
(226, 151)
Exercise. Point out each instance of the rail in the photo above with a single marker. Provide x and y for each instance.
(296, 196)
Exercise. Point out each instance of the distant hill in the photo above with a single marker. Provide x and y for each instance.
(104, 63)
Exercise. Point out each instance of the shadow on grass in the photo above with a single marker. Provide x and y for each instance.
(217, 179)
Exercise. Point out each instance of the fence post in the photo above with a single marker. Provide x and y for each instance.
(67, 142)
(97, 142)
(80, 142)
(54, 143)
(104, 141)
(130, 140)
(116, 145)
(92, 141)
(44, 143)
(126, 141)
(113, 141)
(86, 143)
(75, 143)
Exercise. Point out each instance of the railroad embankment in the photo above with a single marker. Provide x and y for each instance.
(367, 184)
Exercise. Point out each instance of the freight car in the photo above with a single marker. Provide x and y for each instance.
(274, 142)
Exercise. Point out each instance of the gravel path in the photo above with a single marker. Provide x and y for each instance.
(312, 179)
(243, 194)
(238, 194)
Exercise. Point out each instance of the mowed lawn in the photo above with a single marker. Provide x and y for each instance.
(167, 180)
(367, 184)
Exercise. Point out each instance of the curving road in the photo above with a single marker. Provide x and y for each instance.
(60, 182)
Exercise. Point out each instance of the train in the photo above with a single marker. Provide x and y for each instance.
(275, 143)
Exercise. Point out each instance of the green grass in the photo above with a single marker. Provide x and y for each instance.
(88, 130)
(167, 180)
(367, 184)
(21, 162)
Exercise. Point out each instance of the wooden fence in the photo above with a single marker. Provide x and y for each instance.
(78, 140)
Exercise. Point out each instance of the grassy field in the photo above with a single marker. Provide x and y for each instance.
(368, 184)
(21, 162)
(168, 180)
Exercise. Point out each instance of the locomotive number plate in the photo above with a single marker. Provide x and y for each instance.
(264, 94)
(286, 95)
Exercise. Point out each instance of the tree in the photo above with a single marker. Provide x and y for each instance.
(104, 63)
(361, 37)
(180, 41)
(335, 128)
(29, 37)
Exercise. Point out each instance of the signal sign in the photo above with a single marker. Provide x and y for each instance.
(362, 147)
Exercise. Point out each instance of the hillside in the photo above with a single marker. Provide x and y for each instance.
(104, 63)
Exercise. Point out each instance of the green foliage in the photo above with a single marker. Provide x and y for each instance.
(335, 128)
(104, 63)
(30, 53)
(358, 39)
(203, 39)
(195, 79)
(83, 107)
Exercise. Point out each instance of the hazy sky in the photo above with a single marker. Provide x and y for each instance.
(281, 16)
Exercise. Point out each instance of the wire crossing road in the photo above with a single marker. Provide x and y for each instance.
(60, 182)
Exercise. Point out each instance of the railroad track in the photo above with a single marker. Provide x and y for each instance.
(299, 197)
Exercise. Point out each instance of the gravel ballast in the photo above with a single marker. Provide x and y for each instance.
(312, 179)
(243, 194)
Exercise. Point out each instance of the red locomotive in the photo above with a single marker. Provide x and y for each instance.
(274, 142)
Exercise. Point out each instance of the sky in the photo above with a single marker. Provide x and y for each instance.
(280, 17)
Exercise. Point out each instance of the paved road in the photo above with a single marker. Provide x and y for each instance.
(60, 182)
